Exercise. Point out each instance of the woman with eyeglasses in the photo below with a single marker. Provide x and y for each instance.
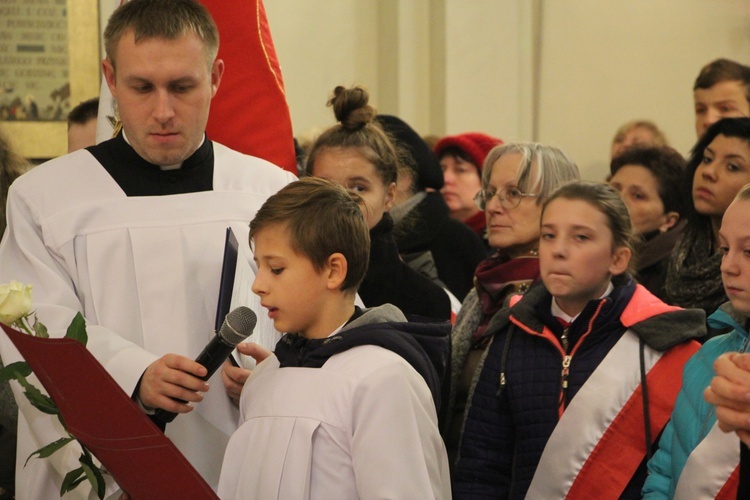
(516, 179)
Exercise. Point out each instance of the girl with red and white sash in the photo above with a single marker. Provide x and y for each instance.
(695, 458)
(582, 371)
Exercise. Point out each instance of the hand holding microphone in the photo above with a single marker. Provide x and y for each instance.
(238, 325)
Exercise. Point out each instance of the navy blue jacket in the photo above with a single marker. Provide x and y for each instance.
(506, 429)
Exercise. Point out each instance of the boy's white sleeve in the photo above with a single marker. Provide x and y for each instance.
(397, 451)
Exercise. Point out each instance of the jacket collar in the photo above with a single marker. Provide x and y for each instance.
(727, 316)
(659, 326)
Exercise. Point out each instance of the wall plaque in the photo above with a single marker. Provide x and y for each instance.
(49, 62)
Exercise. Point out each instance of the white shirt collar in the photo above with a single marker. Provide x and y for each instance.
(337, 330)
(557, 312)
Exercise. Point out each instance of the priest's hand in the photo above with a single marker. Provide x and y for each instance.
(234, 377)
(171, 378)
(730, 392)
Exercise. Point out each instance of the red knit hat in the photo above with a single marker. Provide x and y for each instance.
(476, 145)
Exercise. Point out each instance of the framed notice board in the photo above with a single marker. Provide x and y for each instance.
(49, 62)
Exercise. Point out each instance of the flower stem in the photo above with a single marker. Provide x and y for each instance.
(23, 324)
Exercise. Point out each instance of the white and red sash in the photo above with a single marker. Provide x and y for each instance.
(712, 469)
(599, 441)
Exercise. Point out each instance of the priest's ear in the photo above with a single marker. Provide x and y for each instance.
(109, 76)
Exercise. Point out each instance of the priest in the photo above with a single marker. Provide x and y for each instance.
(130, 233)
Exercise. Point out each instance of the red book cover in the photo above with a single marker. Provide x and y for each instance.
(142, 460)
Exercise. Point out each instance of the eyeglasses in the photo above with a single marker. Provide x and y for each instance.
(509, 198)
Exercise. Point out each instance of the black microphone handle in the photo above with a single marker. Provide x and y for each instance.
(212, 357)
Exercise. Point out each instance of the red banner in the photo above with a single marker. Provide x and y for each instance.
(250, 113)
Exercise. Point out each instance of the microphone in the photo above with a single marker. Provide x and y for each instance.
(238, 325)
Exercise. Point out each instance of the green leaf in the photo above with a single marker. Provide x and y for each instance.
(48, 450)
(39, 329)
(87, 452)
(94, 475)
(41, 401)
(77, 330)
(15, 370)
(72, 479)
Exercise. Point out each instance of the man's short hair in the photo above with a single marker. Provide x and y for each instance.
(165, 19)
(723, 70)
(323, 218)
(85, 111)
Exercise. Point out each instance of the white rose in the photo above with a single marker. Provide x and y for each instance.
(15, 302)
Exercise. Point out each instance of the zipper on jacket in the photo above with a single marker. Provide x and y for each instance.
(562, 347)
(566, 360)
(565, 372)
(566, 367)
(568, 357)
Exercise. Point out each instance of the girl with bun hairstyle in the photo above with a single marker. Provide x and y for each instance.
(357, 154)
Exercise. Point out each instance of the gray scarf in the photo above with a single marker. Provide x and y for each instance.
(694, 275)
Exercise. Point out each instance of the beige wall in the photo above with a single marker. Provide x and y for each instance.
(563, 72)
(607, 62)
(321, 45)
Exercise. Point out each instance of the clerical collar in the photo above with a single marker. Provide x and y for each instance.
(558, 313)
(138, 177)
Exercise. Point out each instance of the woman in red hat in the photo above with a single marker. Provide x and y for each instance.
(461, 158)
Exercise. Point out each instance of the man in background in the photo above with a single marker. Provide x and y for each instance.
(722, 90)
(82, 125)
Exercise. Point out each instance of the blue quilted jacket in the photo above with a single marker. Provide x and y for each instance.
(507, 425)
(693, 417)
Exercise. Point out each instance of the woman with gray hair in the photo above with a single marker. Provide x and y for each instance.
(516, 180)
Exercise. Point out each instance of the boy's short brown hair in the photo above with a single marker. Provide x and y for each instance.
(723, 70)
(323, 218)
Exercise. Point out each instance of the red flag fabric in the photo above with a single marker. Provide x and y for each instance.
(250, 113)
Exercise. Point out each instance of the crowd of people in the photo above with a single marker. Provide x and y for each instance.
(463, 319)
